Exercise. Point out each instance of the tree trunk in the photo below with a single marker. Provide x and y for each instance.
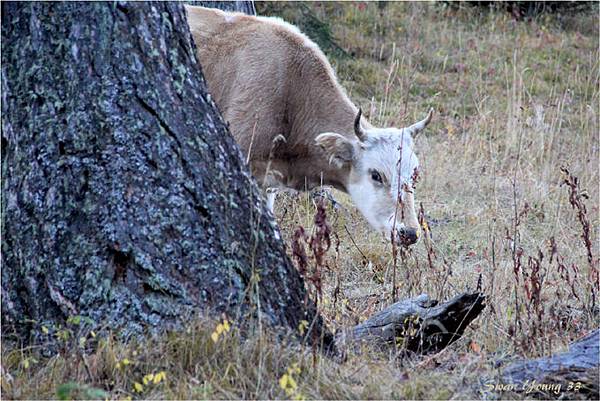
(125, 199)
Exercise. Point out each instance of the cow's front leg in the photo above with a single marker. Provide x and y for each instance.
(271, 196)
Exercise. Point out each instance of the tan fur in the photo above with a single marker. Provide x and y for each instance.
(268, 79)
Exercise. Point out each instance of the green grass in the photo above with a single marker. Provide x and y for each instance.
(514, 101)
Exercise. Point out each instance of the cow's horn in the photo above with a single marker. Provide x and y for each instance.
(360, 133)
(418, 127)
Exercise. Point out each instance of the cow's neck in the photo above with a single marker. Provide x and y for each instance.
(310, 177)
(299, 173)
(318, 105)
(311, 164)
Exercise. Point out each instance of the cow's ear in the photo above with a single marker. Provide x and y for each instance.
(339, 150)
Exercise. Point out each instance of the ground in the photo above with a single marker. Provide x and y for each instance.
(514, 101)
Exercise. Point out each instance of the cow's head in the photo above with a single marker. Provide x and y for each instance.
(381, 165)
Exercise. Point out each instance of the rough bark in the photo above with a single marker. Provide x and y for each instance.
(419, 324)
(580, 364)
(125, 199)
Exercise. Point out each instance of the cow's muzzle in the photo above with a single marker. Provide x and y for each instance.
(408, 236)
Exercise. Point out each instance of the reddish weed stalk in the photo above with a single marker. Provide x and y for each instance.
(427, 234)
(319, 243)
(563, 270)
(400, 206)
(543, 317)
(443, 273)
(562, 316)
(533, 279)
(577, 201)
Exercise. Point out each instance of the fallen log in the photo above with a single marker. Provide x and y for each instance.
(571, 374)
(420, 325)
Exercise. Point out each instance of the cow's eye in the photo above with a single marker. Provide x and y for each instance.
(375, 176)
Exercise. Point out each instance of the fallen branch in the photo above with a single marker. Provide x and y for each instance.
(420, 324)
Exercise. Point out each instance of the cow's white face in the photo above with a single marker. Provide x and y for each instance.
(382, 167)
(381, 182)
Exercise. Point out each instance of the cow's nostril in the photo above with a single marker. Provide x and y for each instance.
(408, 236)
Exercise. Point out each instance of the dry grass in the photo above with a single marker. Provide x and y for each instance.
(514, 102)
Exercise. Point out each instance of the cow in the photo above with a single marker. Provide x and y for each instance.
(297, 126)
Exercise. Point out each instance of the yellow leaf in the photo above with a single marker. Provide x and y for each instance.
(219, 328)
(214, 336)
(292, 382)
(283, 381)
(148, 378)
(26, 363)
(302, 326)
(138, 387)
(93, 334)
(44, 330)
(159, 377)
(125, 362)
(226, 325)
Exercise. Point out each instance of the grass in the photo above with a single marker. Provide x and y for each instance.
(514, 101)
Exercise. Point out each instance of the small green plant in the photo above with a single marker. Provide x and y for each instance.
(76, 391)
